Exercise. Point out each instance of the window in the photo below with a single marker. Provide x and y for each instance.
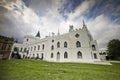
(42, 56)
(58, 45)
(25, 49)
(79, 55)
(43, 46)
(38, 47)
(21, 49)
(95, 56)
(65, 44)
(52, 47)
(78, 44)
(93, 47)
(51, 55)
(77, 35)
(58, 56)
(37, 56)
(65, 55)
(52, 40)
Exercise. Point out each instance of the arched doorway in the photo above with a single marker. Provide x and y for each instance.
(58, 56)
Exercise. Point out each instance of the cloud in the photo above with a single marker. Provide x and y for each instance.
(18, 20)
(101, 27)
(103, 30)
(81, 9)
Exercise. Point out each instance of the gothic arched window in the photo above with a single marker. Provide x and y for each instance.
(58, 56)
(65, 55)
(78, 44)
(38, 47)
(93, 47)
(43, 46)
(51, 55)
(95, 56)
(79, 55)
(42, 56)
(65, 44)
(37, 56)
(58, 45)
(52, 47)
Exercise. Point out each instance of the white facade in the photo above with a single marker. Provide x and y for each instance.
(74, 46)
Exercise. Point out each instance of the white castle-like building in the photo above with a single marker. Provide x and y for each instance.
(75, 46)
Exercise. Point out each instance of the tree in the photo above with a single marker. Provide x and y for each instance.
(113, 49)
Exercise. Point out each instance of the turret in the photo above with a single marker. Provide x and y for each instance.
(84, 26)
(86, 30)
(38, 34)
(58, 32)
(71, 28)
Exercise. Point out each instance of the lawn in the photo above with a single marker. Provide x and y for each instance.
(41, 70)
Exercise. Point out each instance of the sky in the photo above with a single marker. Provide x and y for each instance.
(26, 17)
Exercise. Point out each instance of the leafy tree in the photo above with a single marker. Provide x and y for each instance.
(113, 49)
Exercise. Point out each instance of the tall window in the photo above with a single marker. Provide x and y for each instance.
(42, 56)
(25, 49)
(65, 44)
(95, 56)
(51, 55)
(52, 47)
(37, 56)
(93, 47)
(58, 45)
(21, 49)
(38, 47)
(58, 56)
(78, 44)
(43, 46)
(65, 55)
(79, 55)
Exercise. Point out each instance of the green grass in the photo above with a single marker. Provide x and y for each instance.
(41, 70)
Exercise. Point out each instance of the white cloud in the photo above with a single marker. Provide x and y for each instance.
(24, 21)
(103, 30)
(18, 19)
(85, 5)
